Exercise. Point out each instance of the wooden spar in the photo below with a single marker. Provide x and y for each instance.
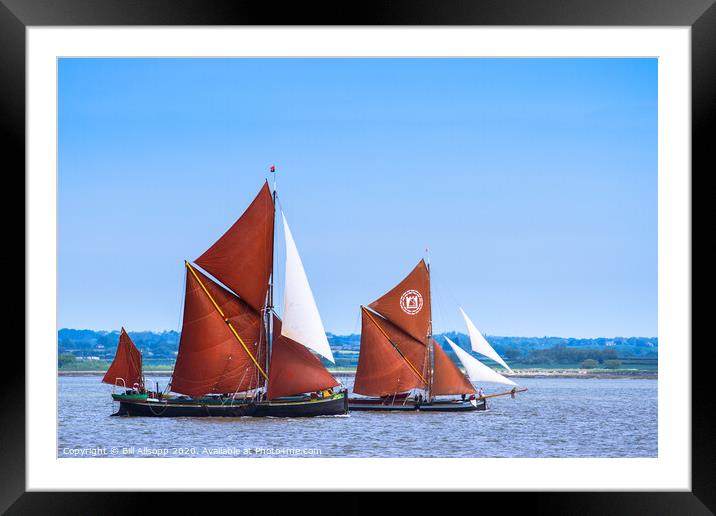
(226, 320)
(501, 394)
(429, 344)
(393, 344)
(269, 303)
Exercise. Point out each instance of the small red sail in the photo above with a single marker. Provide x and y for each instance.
(407, 305)
(382, 371)
(447, 378)
(127, 363)
(293, 368)
(211, 359)
(242, 258)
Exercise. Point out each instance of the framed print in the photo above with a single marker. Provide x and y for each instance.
(484, 286)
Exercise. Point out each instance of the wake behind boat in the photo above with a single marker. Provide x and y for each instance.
(236, 357)
(402, 368)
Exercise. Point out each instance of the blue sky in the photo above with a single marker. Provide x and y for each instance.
(532, 181)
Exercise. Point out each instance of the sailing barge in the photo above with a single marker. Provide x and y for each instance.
(236, 357)
(402, 368)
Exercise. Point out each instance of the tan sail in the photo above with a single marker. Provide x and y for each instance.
(212, 359)
(407, 305)
(242, 259)
(390, 360)
(294, 369)
(127, 364)
(447, 378)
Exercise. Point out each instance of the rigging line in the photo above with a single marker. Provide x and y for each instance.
(243, 376)
(393, 344)
(279, 279)
(226, 320)
(182, 282)
(356, 324)
(435, 305)
(182, 300)
(453, 298)
(443, 288)
(440, 312)
(164, 409)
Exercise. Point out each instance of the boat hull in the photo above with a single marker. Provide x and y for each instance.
(390, 405)
(180, 407)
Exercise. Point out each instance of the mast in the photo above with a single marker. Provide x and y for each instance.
(429, 341)
(242, 260)
(404, 310)
(269, 303)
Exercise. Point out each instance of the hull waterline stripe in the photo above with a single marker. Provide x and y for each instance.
(234, 405)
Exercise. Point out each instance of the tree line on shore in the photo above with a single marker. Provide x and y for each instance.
(93, 350)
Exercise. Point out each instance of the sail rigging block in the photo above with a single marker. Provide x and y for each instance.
(127, 363)
(293, 368)
(301, 320)
(407, 305)
(211, 359)
(242, 258)
(382, 369)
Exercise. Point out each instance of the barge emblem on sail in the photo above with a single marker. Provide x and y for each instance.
(401, 367)
(411, 302)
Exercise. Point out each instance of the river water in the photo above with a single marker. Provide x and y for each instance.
(557, 417)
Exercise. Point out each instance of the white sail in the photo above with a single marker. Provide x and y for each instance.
(476, 370)
(301, 320)
(480, 345)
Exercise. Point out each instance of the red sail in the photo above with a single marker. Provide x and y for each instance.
(211, 359)
(293, 368)
(407, 305)
(382, 370)
(447, 378)
(127, 363)
(242, 258)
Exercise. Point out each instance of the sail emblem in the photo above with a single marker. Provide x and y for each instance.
(411, 302)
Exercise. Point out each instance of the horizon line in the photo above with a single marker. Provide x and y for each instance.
(438, 333)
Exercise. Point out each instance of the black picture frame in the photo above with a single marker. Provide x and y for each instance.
(700, 15)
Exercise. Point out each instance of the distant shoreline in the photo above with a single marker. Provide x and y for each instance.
(528, 373)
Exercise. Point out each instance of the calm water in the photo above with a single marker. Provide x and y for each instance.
(560, 417)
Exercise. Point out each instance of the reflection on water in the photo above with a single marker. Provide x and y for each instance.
(557, 417)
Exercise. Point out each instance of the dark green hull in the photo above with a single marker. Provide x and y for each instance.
(215, 407)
